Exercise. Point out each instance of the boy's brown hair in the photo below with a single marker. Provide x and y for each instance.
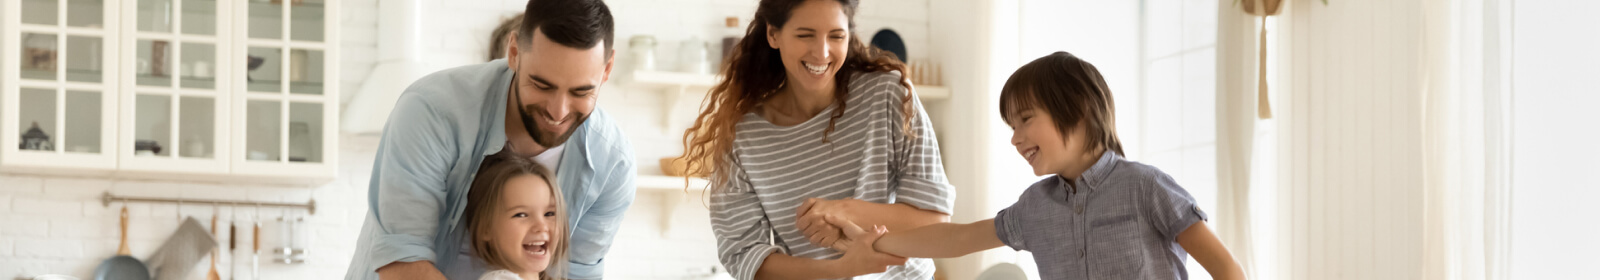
(1070, 90)
(483, 200)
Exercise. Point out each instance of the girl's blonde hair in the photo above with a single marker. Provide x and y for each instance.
(483, 199)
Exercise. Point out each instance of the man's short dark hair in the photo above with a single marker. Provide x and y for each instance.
(579, 24)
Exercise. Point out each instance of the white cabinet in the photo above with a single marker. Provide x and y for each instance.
(208, 89)
(60, 96)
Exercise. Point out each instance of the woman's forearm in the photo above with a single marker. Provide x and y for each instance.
(940, 240)
(779, 266)
(896, 216)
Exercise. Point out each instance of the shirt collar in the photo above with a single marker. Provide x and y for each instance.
(1098, 172)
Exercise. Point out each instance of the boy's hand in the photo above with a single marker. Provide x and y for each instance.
(859, 257)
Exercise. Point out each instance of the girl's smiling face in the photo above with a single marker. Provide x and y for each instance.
(528, 224)
(1037, 140)
(812, 44)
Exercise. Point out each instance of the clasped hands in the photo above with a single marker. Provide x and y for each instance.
(831, 223)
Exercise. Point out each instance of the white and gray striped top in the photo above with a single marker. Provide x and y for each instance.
(868, 158)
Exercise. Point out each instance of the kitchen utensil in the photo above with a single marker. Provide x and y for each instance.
(255, 253)
(123, 266)
(233, 242)
(182, 251)
(212, 275)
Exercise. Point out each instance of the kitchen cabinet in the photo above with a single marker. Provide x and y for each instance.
(210, 89)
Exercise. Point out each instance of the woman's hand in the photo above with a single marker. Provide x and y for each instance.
(809, 219)
(859, 256)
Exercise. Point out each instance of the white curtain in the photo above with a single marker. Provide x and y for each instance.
(1237, 60)
(1466, 132)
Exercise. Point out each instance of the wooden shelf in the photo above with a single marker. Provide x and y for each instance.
(930, 93)
(673, 79)
(663, 182)
(670, 190)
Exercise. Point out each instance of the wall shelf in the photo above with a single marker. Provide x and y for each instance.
(675, 87)
(931, 93)
(672, 194)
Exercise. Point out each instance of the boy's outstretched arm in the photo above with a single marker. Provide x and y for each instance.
(940, 240)
(1206, 249)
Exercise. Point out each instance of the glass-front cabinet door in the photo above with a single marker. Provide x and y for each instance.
(285, 97)
(175, 87)
(59, 84)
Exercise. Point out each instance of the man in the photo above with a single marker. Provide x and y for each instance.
(539, 102)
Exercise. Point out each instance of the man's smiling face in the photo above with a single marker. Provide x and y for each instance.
(556, 86)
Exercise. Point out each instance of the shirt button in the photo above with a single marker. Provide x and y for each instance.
(1080, 209)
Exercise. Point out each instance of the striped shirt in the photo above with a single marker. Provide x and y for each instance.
(868, 158)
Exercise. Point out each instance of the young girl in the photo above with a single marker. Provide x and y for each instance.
(517, 220)
(1100, 216)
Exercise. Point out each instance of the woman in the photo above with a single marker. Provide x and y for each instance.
(809, 123)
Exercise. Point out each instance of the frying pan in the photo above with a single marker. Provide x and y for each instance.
(123, 266)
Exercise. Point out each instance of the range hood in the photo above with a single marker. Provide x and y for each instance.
(399, 64)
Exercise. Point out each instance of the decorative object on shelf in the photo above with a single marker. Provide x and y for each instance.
(297, 65)
(693, 53)
(201, 69)
(142, 146)
(643, 48)
(678, 167)
(299, 141)
(158, 58)
(36, 139)
(251, 63)
(924, 73)
(731, 36)
(39, 52)
(196, 148)
(887, 40)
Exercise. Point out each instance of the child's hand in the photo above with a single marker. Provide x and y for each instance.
(859, 256)
(809, 220)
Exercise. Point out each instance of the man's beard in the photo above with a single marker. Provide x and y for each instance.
(546, 138)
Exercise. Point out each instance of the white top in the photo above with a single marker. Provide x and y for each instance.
(550, 158)
(500, 274)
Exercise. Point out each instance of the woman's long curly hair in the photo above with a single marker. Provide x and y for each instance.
(753, 74)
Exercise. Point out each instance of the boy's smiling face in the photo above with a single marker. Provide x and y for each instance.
(1046, 149)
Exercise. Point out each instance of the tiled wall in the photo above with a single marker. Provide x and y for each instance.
(58, 225)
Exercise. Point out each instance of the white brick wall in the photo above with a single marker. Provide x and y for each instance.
(58, 225)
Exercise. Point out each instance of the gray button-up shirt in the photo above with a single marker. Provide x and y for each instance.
(1121, 222)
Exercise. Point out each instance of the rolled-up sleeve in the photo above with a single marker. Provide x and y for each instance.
(744, 235)
(1170, 208)
(921, 177)
(409, 187)
(592, 236)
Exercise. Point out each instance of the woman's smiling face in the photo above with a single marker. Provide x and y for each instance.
(812, 44)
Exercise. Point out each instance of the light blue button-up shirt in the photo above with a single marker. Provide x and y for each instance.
(439, 132)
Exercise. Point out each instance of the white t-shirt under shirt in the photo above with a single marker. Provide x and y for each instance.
(550, 158)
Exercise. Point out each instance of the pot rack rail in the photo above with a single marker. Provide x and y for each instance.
(107, 198)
